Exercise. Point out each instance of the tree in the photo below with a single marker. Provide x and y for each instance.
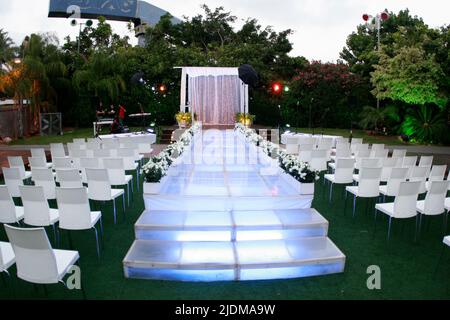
(6, 48)
(411, 76)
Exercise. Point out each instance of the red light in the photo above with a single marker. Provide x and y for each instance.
(162, 88)
(366, 17)
(384, 16)
(277, 88)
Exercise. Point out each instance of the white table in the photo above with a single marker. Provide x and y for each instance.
(102, 123)
(130, 135)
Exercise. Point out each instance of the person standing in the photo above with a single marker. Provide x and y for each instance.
(122, 113)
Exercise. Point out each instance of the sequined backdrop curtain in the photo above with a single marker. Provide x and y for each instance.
(215, 99)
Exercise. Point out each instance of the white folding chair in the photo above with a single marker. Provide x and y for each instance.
(77, 155)
(91, 163)
(398, 153)
(360, 147)
(13, 181)
(62, 163)
(404, 205)
(343, 173)
(319, 160)
(7, 257)
(37, 163)
(145, 145)
(326, 144)
(420, 174)
(100, 188)
(387, 165)
(36, 209)
(410, 163)
(367, 163)
(342, 151)
(17, 162)
(361, 154)
(57, 150)
(356, 140)
(40, 153)
(397, 176)
(117, 175)
(426, 161)
(102, 153)
(434, 203)
(292, 145)
(69, 178)
(36, 261)
(368, 187)
(379, 153)
(437, 173)
(75, 212)
(377, 148)
(305, 152)
(9, 213)
(128, 156)
(44, 178)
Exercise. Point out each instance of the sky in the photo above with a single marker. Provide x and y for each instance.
(320, 27)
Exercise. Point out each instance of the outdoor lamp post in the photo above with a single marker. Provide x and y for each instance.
(374, 23)
(74, 23)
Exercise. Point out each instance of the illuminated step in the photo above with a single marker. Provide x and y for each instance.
(227, 261)
(229, 226)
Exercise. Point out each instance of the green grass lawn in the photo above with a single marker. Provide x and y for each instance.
(408, 268)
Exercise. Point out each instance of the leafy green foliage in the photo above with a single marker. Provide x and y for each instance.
(425, 124)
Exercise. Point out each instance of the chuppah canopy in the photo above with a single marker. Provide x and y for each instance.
(215, 95)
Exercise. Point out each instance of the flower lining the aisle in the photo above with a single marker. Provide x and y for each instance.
(299, 170)
(158, 166)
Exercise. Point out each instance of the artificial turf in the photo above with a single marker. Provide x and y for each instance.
(407, 268)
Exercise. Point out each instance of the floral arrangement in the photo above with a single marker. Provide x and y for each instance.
(299, 170)
(245, 118)
(184, 118)
(158, 166)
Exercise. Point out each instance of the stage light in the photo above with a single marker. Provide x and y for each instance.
(366, 17)
(277, 88)
(384, 16)
(162, 88)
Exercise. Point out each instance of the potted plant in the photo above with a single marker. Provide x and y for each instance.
(298, 174)
(154, 172)
(245, 119)
(184, 119)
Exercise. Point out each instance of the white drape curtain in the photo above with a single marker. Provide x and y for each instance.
(215, 98)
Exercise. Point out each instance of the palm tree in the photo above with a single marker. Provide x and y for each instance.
(6, 49)
(375, 119)
(424, 124)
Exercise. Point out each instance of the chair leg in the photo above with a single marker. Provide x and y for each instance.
(331, 191)
(123, 201)
(444, 229)
(354, 206)
(128, 192)
(389, 229)
(345, 202)
(115, 211)
(97, 243)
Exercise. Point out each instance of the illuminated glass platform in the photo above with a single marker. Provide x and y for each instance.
(233, 261)
(230, 226)
(219, 217)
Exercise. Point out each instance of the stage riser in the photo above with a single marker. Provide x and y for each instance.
(227, 236)
(312, 270)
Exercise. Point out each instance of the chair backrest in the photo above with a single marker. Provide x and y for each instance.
(62, 163)
(44, 178)
(344, 170)
(69, 178)
(35, 205)
(57, 150)
(306, 140)
(128, 156)
(306, 147)
(79, 141)
(388, 164)
(37, 163)
(426, 161)
(325, 143)
(369, 182)
(79, 153)
(363, 153)
(435, 198)
(305, 151)
(93, 145)
(319, 160)
(74, 209)
(419, 174)
(92, 163)
(397, 153)
(116, 171)
(397, 176)
(380, 153)
(17, 162)
(356, 141)
(406, 200)
(438, 173)
(102, 153)
(371, 162)
(13, 180)
(377, 146)
(35, 259)
(292, 140)
(7, 207)
(38, 153)
(99, 185)
(343, 150)
(409, 161)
